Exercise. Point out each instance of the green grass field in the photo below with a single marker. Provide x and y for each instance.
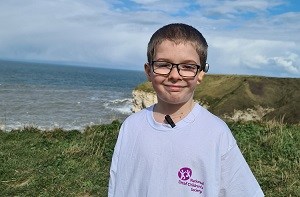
(70, 163)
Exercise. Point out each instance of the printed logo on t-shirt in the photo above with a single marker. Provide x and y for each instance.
(185, 178)
(185, 173)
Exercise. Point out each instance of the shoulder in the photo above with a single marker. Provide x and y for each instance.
(131, 126)
(211, 121)
(138, 115)
(137, 119)
(217, 129)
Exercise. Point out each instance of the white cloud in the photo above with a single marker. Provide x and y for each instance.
(289, 63)
(94, 32)
(235, 54)
(233, 9)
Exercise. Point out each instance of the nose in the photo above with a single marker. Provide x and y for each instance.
(174, 74)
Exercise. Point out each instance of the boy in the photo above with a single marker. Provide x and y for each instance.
(176, 147)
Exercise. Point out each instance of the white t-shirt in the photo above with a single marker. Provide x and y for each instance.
(198, 157)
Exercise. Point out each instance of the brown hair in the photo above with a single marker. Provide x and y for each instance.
(178, 33)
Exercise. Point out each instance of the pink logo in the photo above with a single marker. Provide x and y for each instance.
(185, 173)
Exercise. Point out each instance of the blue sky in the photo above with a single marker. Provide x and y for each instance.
(251, 37)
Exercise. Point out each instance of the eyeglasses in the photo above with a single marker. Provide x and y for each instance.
(184, 70)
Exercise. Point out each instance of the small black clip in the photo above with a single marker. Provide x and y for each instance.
(170, 121)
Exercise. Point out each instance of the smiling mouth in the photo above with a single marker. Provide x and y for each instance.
(174, 88)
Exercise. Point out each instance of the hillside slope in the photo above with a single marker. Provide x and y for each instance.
(247, 97)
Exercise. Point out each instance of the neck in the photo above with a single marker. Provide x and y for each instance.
(176, 111)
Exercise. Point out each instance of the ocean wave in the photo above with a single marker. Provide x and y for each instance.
(120, 105)
(63, 96)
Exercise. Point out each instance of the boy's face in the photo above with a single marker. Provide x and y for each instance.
(173, 88)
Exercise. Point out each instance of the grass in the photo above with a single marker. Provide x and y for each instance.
(56, 163)
(223, 94)
(71, 163)
(272, 151)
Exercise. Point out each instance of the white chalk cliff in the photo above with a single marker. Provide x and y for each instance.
(142, 99)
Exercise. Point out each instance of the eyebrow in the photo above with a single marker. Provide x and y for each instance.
(183, 62)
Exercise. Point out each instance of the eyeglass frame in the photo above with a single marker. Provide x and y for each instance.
(177, 66)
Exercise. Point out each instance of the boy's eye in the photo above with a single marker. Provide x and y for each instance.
(163, 65)
(187, 66)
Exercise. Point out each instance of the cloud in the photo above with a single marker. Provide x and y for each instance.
(245, 37)
(254, 56)
(238, 10)
(288, 63)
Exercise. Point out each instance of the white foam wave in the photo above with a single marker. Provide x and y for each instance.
(122, 106)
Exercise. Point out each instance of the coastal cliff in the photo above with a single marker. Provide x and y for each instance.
(239, 98)
(142, 99)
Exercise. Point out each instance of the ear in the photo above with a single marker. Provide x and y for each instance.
(147, 69)
(200, 77)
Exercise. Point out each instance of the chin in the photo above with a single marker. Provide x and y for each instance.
(175, 101)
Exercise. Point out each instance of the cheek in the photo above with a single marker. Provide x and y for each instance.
(156, 79)
(157, 84)
(193, 83)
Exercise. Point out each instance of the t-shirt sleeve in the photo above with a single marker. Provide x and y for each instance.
(114, 166)
(236, 176)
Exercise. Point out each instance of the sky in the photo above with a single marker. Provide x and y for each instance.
(248, 37)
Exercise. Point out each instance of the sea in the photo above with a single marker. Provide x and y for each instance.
(48, 96)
